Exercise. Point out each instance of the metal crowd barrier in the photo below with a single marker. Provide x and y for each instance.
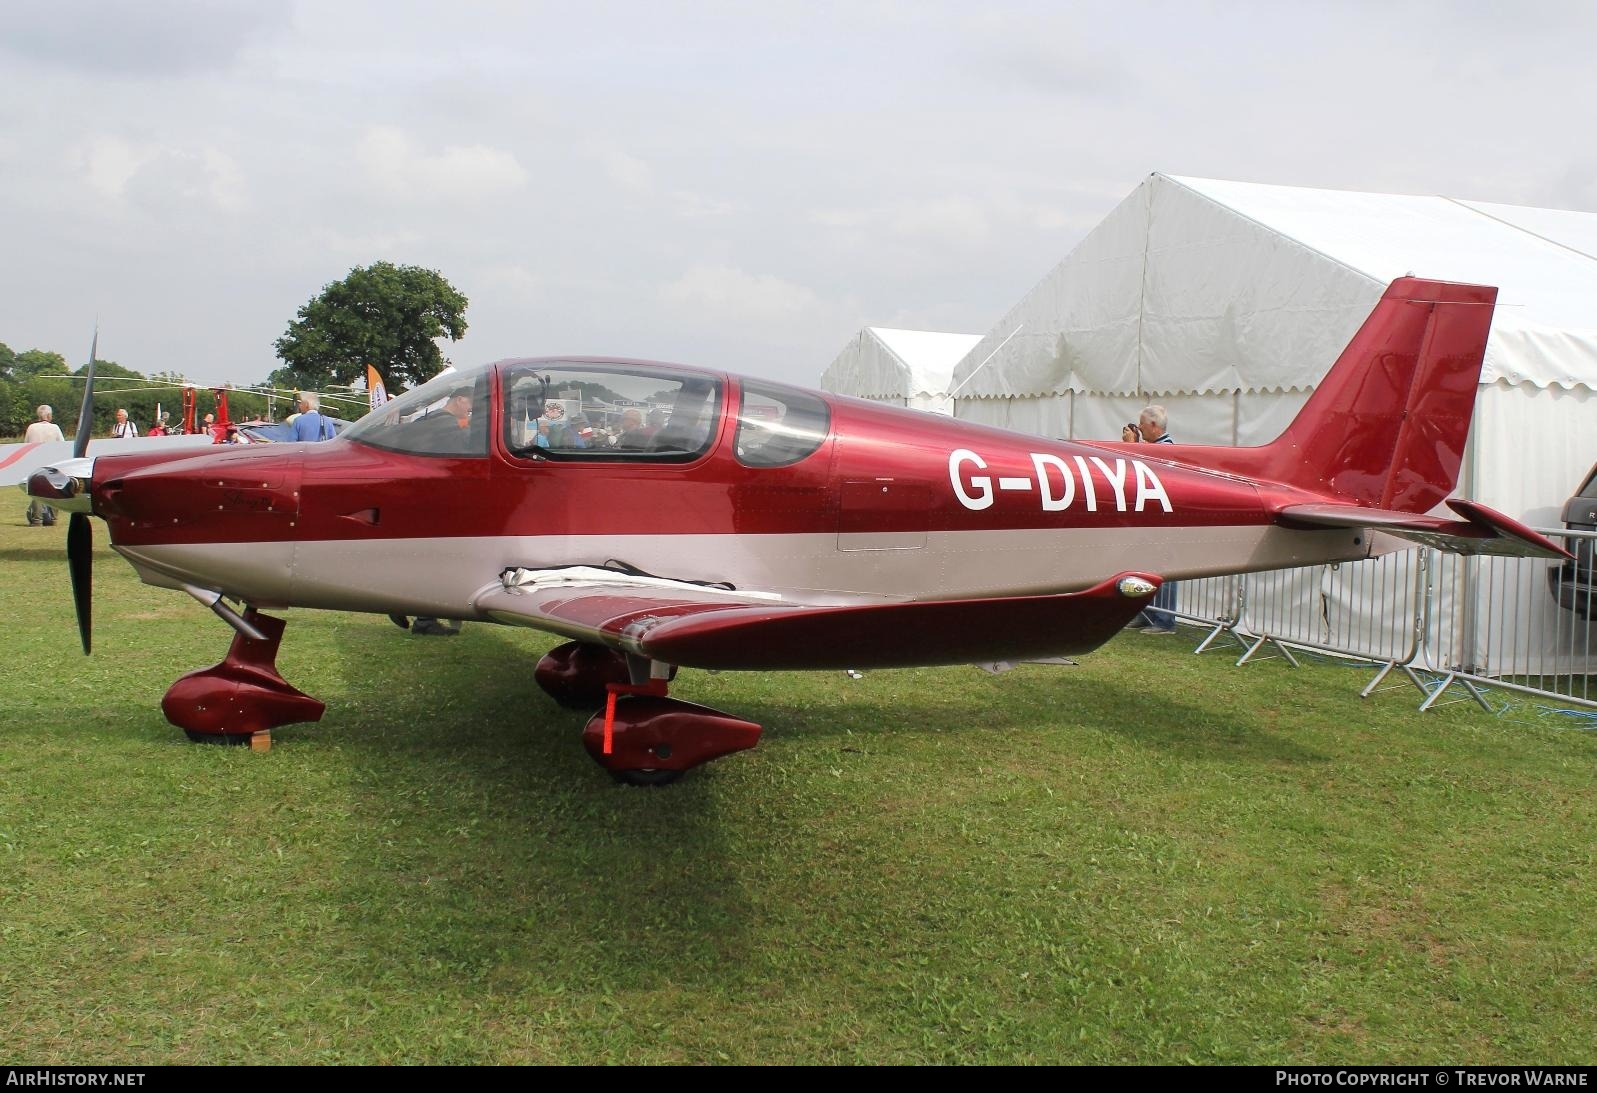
(1499, 621)
(1514, 623)
(1213, 602)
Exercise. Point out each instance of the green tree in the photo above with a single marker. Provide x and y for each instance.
(104, 369)
(383, 315)
(39, 362)
(7, 359)
(63, 390)
(13, 410)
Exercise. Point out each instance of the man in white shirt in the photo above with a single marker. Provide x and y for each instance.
(42, 431)
(123, 427)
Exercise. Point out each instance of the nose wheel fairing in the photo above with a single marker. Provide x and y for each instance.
(242, 695)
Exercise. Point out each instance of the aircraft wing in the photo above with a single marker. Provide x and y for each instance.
(711, 627)
(18, 461)
(1482, 531)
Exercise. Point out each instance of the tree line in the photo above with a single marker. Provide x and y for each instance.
(38, 377)
(383, 315)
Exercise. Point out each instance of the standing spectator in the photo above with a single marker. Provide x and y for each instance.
(42, 431)
(123, 427)
(159, 428)
(309, 424)
(1158, 616)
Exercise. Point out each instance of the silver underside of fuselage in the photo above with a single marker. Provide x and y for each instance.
(443, 576)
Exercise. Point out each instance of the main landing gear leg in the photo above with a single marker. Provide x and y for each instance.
(243, 695)
(640, 736)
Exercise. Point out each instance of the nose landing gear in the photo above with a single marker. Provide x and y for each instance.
(241, 696)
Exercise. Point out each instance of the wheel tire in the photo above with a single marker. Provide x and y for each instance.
(224, 739)
(646, 776)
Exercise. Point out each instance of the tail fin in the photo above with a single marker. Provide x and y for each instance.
(1386, 427)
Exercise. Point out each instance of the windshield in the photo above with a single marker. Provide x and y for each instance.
(447, 415)
(608, 411)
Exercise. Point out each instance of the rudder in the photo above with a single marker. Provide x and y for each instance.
(1386, 427)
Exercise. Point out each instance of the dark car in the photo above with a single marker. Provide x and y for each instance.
(1572, 583)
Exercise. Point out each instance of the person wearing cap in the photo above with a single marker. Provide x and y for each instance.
(581, 433)
(444, 428)
(458, 405)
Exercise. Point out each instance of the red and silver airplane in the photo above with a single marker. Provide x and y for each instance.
(739, 524)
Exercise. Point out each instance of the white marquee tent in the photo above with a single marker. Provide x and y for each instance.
(913, 368)
(1226, 302)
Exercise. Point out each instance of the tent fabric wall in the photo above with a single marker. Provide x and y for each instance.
(1231, 305)
(1194, 419)
(911, 368)
(1050, 417)
(1530, 449)
(1078, 329)
(1227, 303)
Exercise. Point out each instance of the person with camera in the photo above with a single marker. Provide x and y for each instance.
(1151, 428)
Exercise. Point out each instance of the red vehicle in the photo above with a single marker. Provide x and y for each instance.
(763, 526)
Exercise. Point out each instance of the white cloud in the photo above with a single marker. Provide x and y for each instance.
(622, 168)
(725, 293)
(224, 179)
(358, 248)
(110, 162)
(691, 206)
(396, 165)
(840, 218)
(160, 177)
(950, 221)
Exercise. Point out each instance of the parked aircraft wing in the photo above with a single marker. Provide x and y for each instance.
(1482, 531)
(709, 627)
(18, 461)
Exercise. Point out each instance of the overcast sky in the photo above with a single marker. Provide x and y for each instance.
(741, 185)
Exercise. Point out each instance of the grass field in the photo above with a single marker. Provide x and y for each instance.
(1149, 857)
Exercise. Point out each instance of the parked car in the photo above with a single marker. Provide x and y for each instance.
(1572, 583)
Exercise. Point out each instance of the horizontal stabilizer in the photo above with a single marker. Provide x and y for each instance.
(1482, 531)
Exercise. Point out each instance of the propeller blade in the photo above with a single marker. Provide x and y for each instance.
(80, 562)
(80, 441)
